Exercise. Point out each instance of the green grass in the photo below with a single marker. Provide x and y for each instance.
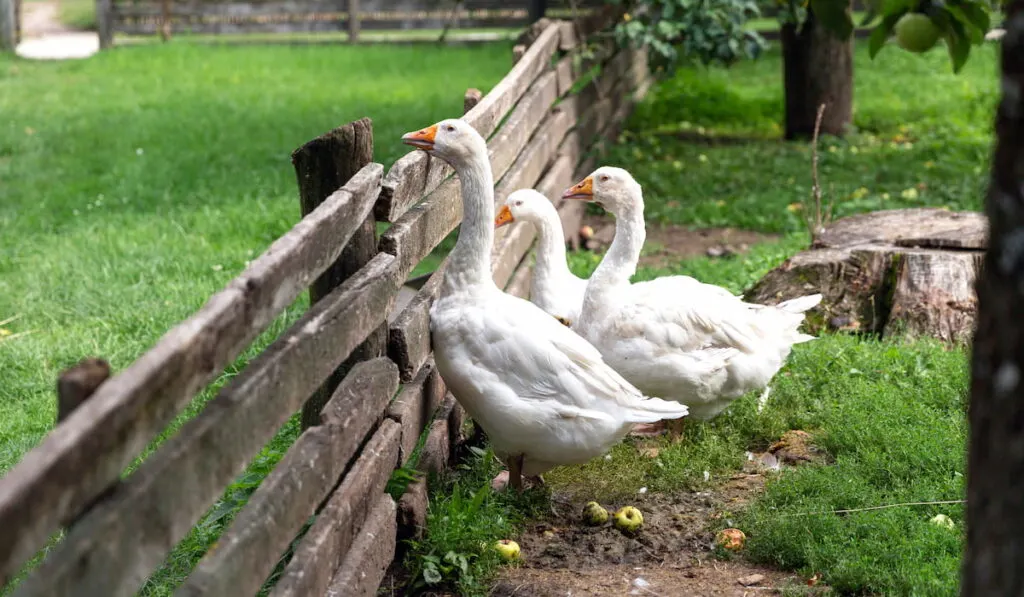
(925, 125)
(139, 182)
(78, 14)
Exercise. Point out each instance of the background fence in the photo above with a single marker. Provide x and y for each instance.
(150, 17)
(364, 336)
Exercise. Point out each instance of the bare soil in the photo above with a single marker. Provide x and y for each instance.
(667, 243)
(674, 553)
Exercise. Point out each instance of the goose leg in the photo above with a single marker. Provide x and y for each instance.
(515, 472)
(675, 429)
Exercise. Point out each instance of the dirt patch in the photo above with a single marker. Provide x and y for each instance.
(673, 554)
(667, 243)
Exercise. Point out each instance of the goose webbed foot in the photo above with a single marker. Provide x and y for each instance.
(648, 429)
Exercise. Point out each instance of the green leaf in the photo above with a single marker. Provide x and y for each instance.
(869, 17)
(834, 14)
(431, 575)
(977, 14)
(958, 43)
(897, 7)
(881, 33)
(975, 35)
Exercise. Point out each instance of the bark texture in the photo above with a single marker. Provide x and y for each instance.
(817, 69)
(905, 271)
(995, 468)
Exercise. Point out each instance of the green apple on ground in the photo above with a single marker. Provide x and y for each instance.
(508, 549)
(628, 519)
(594, 514)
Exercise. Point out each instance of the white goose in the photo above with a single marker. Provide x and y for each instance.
(541, 392)
(675, 337)
(553, 287)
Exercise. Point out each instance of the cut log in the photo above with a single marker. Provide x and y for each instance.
(897, 272)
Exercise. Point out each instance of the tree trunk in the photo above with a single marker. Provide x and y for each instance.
(995, 464)
(817, 69)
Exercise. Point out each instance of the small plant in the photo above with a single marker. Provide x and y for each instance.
(814, 216)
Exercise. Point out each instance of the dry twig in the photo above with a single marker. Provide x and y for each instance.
(816, 222)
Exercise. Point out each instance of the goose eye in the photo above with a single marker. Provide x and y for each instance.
(518, 203)
(604, 178)
(450, 128)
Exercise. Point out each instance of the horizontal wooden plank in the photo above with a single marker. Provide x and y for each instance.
(157, 506)
(229, 28)
(522, 122)
(416, 174)
(362, 570)
(336, 527)
(409, 334)
(86, 453)
(414, 406)
(248, 551)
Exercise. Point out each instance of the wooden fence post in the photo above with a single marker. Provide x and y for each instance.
(74, 386)
(353, 21)
(105, 22)
(8, 26)
(323, 166)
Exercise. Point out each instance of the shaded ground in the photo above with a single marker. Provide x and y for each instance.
(667, 243)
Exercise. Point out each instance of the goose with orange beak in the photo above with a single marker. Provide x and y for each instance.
(542, 393)
(675, 337)
(553, 287)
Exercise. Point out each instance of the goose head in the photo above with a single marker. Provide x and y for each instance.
(612, 188)
(454, 141)
(525, 205)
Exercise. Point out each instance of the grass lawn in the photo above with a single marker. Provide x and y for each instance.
(891, 415)
(138, 182)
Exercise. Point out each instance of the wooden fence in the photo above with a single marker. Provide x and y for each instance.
(150, 17)
(342, 362)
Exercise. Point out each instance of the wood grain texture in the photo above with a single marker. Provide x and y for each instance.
(76, 384)
(416, 174)
(322, 166)
(133, 530)
(338, 524)
(248, 550)
(363, 568)
(409, 334)
(69, 469)
(414, 406)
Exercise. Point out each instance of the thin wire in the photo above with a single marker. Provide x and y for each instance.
(939, 503)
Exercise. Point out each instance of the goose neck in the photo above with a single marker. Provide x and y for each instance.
(469, 263)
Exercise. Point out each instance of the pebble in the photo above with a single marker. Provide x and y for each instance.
(750, 580)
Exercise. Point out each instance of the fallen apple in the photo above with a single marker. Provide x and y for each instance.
(508, 549)
(943, 521)
(731, 539)
(628, 519)
(594, 514)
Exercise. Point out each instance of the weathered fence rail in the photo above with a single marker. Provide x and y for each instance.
(151, 17)
(341, 363)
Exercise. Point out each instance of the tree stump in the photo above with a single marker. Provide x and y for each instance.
(905, 271)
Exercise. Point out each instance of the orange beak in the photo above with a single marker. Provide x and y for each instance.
(504, 217)
(584, 190)
(422, 139)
